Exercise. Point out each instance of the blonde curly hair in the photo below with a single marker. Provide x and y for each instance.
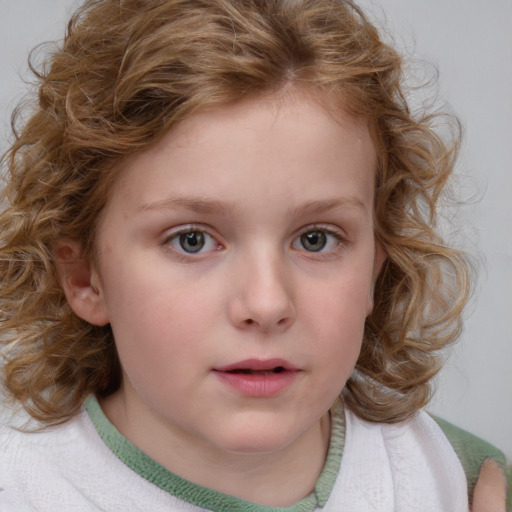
(126, 73)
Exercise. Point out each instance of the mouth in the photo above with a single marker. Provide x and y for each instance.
(248, 371)
(258, 378)
(258, 367)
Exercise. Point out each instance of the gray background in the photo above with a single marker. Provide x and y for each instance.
(470, 42)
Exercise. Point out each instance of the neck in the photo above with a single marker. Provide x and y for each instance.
(276, 479)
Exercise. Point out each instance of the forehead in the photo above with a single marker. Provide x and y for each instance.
(258, 121)
(287, 147)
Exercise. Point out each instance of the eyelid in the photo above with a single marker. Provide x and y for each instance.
(173, 233)
(329, 229)
(185, 228)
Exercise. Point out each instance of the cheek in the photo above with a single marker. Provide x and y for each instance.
(158, 345)
(338, 317)
(342, 305)
(158, 322)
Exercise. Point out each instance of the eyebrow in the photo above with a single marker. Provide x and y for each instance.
(193, 204)
(325, 205)
(212, 206)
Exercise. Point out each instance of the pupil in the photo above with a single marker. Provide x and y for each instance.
(314, 240)
(192, 242)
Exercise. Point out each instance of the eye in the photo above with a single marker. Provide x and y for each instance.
(317, 240)
(192, 241)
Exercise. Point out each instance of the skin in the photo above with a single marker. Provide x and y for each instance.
(257, 183)
(255, 180)
(489, 495)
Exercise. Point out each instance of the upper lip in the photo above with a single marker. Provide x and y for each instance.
(257, 365)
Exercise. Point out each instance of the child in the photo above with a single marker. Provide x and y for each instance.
(222, 287)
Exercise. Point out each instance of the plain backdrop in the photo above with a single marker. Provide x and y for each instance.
(470, 43)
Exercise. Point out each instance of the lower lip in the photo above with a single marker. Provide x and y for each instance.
(258, 385)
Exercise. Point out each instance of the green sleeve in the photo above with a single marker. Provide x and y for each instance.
(472, 452)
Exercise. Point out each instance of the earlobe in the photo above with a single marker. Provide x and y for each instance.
(80, 282)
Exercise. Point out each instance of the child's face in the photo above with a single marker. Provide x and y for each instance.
(236, 261)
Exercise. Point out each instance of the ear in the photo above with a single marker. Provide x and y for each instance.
(378, 260)
(80, 282)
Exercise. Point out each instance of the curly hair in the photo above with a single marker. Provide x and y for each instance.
(126, 73)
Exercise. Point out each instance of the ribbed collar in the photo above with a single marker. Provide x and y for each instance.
(192, 493)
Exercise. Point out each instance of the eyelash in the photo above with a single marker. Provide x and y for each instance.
(336, 237)
(330, 235)
(190, 229)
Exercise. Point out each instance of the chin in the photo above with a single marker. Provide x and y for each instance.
(257, 438)
(255, 446)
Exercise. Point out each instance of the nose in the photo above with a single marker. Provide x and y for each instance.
(263, 295)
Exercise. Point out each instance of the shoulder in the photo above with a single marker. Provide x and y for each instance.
(71, 462)
(473, 452)
(26, 445)
(411, 463)
(39, 463)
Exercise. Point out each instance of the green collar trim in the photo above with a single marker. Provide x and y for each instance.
(192, 493)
